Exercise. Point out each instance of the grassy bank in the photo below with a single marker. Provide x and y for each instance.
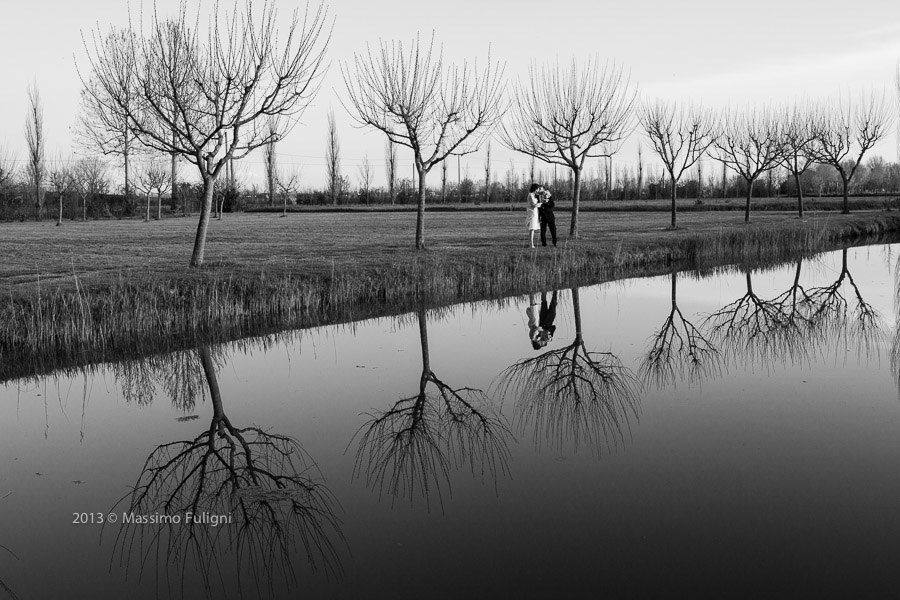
(87, 292)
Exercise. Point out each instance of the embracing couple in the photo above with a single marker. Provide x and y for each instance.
(540, 213)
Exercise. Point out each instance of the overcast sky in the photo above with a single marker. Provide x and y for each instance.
(718, 53)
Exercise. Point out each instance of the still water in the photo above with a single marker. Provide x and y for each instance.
(729, 434)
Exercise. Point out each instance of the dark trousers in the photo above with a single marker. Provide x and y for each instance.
(548, 225)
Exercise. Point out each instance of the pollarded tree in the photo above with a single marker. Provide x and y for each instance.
(208, 95)
(845, 131)
(565, 116)
(680, 136)
(798, 142)
(419, 102)
(749, 145)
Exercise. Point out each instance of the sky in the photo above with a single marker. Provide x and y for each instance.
(716, 53)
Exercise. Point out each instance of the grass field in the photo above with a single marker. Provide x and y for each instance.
(319, 244)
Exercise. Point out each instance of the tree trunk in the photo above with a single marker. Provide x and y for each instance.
(59, 221)
(799, 194)
(749, 194)
(576, 196)
(147, 218)
(846, 183)
(209, 185)
(576, 308)
(420, 212)
(159, 205)
(674, 196)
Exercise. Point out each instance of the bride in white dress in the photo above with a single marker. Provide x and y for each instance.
(534, 224)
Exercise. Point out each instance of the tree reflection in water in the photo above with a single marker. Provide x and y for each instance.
(572, 394)
(850, 321)
(679, 350)
(410, 449)
(266, 482)
(797, 325)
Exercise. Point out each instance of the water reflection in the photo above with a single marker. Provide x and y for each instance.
(410, 449)
(798, 325)
(571, 394)
(262, 488)
(679, 349)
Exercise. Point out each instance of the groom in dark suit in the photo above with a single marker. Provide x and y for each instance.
(547, 218)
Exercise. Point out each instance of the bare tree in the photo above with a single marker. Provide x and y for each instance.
(565, 116)
(61, 177)
(195, 88)
(390, 154)
(108, 99)
(487, 172)
(333, 160)
(154, 176)
(271, 162)
(680, 136)
(7, 167)
(35, 168)
(419, 103)
(640, 172)
(90, 180)
(365, 177)
(287, 183)
(845, 131)
(750, 145)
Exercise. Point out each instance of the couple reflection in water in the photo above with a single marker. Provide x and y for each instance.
(540, 320)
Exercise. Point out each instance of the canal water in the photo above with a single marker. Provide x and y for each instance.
(732, 433)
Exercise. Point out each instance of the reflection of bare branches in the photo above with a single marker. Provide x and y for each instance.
(851, 322)
(573, 394)
(678, 348)
(410, 449)
(263, 486)
(748, 327)
(179, 374)
(795, 325)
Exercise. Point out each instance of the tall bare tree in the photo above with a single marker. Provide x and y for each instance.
(390, 155)
(35, 168)
(103, 124)
(487, 172)
(844, 131)
(418, 102)
(798, 142)
(680, 136)
(563, 116)
(271, 161)
(749, 145)
(333, 160)
(207, 95)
